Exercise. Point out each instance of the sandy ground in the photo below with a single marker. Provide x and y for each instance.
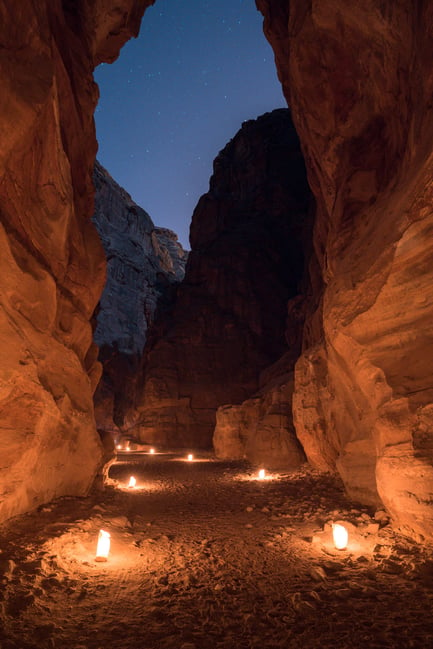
(204, 555)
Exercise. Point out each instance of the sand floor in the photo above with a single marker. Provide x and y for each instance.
(206, 556)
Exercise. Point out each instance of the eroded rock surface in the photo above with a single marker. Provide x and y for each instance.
(144, 265)
(246, 261)
(52, 263)
(261, 429)
(359, 80)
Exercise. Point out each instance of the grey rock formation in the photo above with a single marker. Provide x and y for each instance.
(144, 264)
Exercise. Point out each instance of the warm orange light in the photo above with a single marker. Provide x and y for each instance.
(132, 481)
(340, 536)
(119, 447)
(103, 547)
(152, 451)
(261, 474)
(190, 457)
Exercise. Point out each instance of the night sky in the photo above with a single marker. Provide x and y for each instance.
(177, 95)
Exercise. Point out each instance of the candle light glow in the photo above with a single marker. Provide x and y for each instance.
(103, 546)
(340, 536)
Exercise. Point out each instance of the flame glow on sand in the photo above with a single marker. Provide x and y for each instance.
(343, 535)
(190, 458)
(259, 476)
(74, 550)
(145, 485)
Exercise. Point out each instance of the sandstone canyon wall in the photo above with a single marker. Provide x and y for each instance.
(245, 262)
(359, 80)
(144, 265)
(261, 429)
(52, 262)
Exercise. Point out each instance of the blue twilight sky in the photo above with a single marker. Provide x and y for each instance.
(177, 95)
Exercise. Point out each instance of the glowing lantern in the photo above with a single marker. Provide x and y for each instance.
(152, 451)
(190, 457)
(261, 474)
(119, 447)
(340, 536)
(132, 481)
(103, 547)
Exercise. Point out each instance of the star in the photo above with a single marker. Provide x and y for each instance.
(176, 95)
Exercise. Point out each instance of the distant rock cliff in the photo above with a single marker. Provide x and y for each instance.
(144, 264)
(246, 261)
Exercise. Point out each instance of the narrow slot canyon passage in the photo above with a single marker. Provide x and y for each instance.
(205, 555)
(297, 334)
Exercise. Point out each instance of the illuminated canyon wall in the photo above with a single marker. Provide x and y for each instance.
(52, 265)
(245, 262)
(359, 81)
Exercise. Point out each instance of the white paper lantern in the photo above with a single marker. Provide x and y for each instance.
(132, 482)
(340, 536)
(262, 474)
(103, 546)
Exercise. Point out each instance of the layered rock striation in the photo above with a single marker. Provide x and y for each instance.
(246, 261)
(359, 81)
(144, 265)
(52, 264)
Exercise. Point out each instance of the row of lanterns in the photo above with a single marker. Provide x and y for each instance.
(340, 534)
(104, 537)
(133, 481)
(119, 447)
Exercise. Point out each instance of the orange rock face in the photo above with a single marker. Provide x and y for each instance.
(359, 80)
(52, 266)
(261, 429)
